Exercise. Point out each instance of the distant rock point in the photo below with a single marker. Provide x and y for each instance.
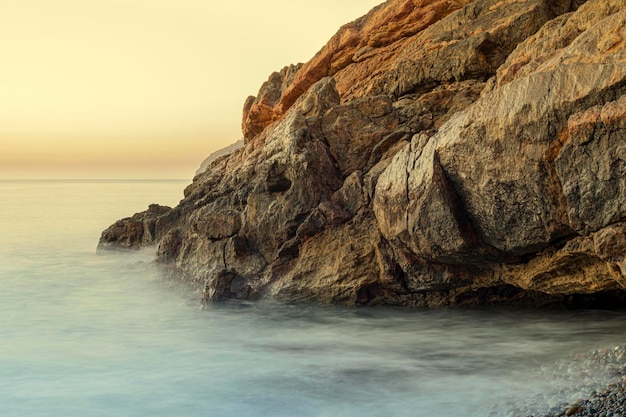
(217, 154)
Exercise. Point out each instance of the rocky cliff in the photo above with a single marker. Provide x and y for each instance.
(434, 152)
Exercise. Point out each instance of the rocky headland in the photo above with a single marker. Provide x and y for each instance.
(433, 153)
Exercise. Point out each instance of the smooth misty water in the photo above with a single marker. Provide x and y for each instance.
(106, 335)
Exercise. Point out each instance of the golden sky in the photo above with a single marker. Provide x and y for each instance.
(142, 88)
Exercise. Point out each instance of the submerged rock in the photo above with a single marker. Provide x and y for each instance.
(432, 153)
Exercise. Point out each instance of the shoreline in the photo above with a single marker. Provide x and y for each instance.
(610, 402)
(601, 393)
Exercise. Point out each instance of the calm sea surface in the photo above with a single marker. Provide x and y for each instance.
(106, 335)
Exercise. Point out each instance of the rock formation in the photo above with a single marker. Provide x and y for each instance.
(434, 152)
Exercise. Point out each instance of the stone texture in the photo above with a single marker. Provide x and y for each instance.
(591, 168)
(353, 130)
(556, 35)
(433, 153)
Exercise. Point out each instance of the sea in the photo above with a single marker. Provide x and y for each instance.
(86, 334)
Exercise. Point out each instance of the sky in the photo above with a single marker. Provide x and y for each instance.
(142, 88)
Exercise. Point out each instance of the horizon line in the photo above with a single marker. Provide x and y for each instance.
(94, 179)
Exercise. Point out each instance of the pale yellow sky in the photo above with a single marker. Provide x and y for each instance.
(142, 88)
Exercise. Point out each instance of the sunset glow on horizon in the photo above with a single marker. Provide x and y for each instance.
(143, 88)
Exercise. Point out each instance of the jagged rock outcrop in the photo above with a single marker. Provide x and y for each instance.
(142, 229)
(432, 153)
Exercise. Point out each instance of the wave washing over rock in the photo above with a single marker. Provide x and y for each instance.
(434, 152)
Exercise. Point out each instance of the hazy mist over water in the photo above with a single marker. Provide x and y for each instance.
(106, 335)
